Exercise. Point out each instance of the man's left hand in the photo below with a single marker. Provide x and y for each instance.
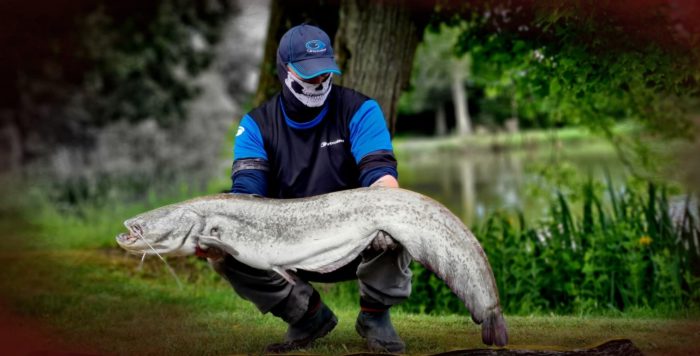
(383, 242)
(386, 181)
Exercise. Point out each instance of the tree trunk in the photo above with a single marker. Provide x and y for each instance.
(440, 121)
(459, 98)
(285, 14)
(512, 124)
(374, 46)
(468, 179)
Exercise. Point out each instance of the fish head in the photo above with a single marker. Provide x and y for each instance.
(167, 231)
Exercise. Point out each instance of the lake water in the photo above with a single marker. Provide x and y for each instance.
(472, 184)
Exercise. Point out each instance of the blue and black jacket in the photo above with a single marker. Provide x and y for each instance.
(346, 145)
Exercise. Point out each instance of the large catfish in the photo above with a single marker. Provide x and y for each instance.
(325, 232)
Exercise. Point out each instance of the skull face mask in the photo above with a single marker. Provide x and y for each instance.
(311, 95)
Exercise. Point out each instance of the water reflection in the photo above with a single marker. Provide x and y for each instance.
(474, 184)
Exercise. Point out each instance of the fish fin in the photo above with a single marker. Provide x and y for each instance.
(212, 241)
(282, 272)
(493, 329)
(337, 261)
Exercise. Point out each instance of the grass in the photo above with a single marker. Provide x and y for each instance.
(97, 299)
(89, 223)
(522, 139)
(580, 138)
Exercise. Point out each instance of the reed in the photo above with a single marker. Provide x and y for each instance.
(604, 249)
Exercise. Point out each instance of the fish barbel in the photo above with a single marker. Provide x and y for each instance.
(325, 232)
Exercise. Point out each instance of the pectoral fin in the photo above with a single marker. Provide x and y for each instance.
(213, 241)
(282, 272)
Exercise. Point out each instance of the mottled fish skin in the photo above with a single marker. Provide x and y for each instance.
(325, 232)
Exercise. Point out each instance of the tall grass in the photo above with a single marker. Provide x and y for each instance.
(620, 250)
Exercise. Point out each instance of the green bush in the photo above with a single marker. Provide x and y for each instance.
(623, 253)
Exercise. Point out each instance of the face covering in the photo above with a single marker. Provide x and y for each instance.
(311, 95)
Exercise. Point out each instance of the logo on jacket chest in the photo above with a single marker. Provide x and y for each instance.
(331, 143)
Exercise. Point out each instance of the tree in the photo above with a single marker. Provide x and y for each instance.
(76, 66)
(459, 96)
(592, 63)
(439, 75)
(376, 42)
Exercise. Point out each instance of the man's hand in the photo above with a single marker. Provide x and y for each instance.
(387, 181)
(383, 242)
(212, 253)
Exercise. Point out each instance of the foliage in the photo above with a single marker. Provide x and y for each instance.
(431, 77)
(77, 65)
(144, 58)
(592, 63)
(622, 254)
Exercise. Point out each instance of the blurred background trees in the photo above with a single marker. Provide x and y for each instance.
(576, 62)
(84, 75)
(100, 92)
(591, 64)
(73, 66)
(439, 77)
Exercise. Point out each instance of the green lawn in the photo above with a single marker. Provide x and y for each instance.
(579, 138)
(522, 139)
(97, 299)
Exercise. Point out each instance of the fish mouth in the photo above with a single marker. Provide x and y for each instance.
(134, 241)
(134, 234)
(126, 239)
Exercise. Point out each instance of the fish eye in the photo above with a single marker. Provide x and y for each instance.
(214, 231)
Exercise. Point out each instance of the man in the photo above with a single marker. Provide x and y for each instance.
(314, 138)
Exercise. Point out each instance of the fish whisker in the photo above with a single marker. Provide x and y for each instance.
(143, 258)
(138, 235)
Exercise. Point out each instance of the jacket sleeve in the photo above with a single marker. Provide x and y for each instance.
(370, 144)
(249, 173)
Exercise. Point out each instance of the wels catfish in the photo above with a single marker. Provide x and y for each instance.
(325, 232)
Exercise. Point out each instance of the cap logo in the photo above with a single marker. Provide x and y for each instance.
(315, 46)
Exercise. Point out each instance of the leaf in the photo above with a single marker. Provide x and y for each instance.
(554, 87)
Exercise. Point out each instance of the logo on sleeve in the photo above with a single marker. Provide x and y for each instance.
(241, 130)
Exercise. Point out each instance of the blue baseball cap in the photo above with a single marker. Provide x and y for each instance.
(307, 49)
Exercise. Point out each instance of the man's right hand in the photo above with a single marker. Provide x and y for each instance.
(212, 253)
(383, 242)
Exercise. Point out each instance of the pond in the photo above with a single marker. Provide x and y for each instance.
(474, 182)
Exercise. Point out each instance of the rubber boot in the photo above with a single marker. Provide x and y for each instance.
(302, 333)
(380, 334)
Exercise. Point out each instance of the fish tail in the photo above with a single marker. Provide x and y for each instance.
(494, 330)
